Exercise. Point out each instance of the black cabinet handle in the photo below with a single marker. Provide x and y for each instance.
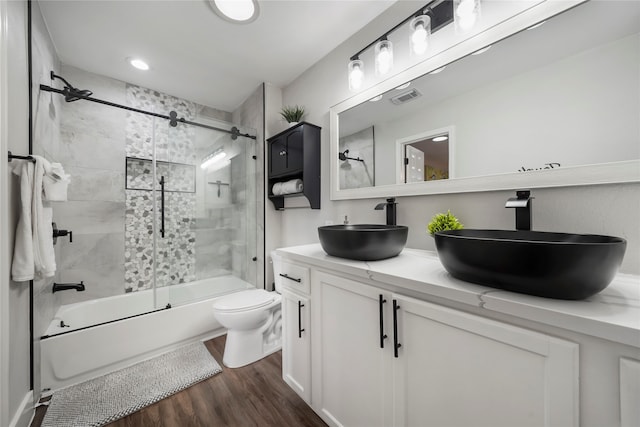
(286, 276)
(383, 336)
(300, 330)
(162, 206)
(396, 344)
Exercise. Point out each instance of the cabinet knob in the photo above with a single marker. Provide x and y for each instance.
(283, 153)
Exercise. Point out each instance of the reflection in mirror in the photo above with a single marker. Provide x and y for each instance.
(425, 157)
(356, 159)
(551, 97)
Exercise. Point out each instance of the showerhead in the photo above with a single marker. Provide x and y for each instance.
(71, 93)
(343, 155)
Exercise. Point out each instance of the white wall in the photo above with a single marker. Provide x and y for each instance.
(14, 298)
(606, 209)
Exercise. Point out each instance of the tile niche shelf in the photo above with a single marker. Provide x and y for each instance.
(295, 154)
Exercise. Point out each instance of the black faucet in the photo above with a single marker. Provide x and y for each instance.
(64, 286)
(522, 203)
(391, 210)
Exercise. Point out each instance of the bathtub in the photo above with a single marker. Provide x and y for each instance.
(93, 344)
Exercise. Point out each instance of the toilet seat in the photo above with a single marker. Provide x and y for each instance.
(244, 300)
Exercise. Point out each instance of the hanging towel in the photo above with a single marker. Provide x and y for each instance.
(33, 251)
(55, 183)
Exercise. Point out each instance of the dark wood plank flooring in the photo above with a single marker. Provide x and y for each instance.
(254, 395)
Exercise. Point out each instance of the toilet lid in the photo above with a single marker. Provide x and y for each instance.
(244, 300)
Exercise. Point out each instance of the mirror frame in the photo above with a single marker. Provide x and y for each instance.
(595, 174)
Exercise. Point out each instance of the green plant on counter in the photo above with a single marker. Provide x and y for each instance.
(441, 222)
(292, 114)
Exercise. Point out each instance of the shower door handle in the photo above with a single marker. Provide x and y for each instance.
(162, 206)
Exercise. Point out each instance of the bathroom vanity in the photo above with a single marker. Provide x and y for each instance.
(400, 342)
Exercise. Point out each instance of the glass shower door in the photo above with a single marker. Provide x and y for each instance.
(210, 213)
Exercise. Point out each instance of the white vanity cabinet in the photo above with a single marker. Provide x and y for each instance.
(296, 328)
(467, 355)
(351, 362)
(457, 369)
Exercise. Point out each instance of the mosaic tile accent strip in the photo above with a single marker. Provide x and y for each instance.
(174, 144)
(178, 177)
(175, 253)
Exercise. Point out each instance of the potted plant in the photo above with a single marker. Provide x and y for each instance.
(441, 222)
(292, 114)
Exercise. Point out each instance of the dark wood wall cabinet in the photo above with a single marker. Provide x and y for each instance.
(295, 154)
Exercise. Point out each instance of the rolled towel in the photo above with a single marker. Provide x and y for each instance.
(277, 189)
(292, 186)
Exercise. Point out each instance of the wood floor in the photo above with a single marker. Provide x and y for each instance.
(254, 395)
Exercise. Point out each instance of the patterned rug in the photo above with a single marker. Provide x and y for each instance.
(107, 398)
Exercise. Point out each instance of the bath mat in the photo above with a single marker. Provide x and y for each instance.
(112, 396)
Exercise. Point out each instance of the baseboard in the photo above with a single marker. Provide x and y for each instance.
(25, 412)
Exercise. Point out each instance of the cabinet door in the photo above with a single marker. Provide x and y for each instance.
(278, 156)
(296, 344)
(352, 369)
(457, 369)
(295, 141)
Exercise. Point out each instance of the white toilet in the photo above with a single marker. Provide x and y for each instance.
(253, 319)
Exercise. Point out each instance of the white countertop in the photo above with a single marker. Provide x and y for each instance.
(613, 314)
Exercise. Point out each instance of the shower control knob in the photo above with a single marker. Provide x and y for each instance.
(61, 233)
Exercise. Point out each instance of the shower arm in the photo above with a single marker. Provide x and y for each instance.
(343, 156)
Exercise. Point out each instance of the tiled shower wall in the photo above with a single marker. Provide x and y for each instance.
(110, 208)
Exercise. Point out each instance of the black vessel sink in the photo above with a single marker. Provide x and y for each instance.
(552, 265)
(363, 242)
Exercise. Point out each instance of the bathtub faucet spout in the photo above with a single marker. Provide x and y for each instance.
(64, 286)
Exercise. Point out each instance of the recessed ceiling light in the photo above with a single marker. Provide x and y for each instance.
(438, 70)
(237, 11)
(481, 51)
(376, 98)
(404, 86)
(440, 138)
(138, 63)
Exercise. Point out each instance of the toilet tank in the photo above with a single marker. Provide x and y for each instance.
(277, 263)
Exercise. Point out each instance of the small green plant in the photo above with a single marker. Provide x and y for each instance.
(441, 222)
(292, 114)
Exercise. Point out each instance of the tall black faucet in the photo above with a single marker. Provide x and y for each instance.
(522, 203)
(390, 204)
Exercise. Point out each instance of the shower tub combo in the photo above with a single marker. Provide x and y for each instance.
(79, 351)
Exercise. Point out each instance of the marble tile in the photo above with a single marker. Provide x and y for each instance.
(98, 251)
(77, 148)
(90, 217)
(98, 284)
(95, 184)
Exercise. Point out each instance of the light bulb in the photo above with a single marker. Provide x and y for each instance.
(213, 158)
(384, 57)
(466, 14)
(238, 11)
(356, 75)
(421, 26)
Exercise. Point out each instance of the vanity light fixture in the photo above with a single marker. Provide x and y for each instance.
(430, 18)
(384, 57)
(213, 157)
(138, 63)
(420, 34)
(466, 14)
(236, 11)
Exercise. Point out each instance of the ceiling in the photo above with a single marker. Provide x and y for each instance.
(196, 55)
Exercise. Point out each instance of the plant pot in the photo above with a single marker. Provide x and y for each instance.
(291, 124)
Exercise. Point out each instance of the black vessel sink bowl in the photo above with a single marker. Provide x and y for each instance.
(363, 242)
(552, 265)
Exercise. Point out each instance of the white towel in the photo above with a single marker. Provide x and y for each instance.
(287, 187)
(33, 255)
(292, 186)
(55, 183)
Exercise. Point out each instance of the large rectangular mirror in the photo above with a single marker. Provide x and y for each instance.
(554, 105)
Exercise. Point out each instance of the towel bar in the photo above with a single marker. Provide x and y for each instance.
(13, 156)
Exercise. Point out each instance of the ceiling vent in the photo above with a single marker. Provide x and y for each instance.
(405, 97)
